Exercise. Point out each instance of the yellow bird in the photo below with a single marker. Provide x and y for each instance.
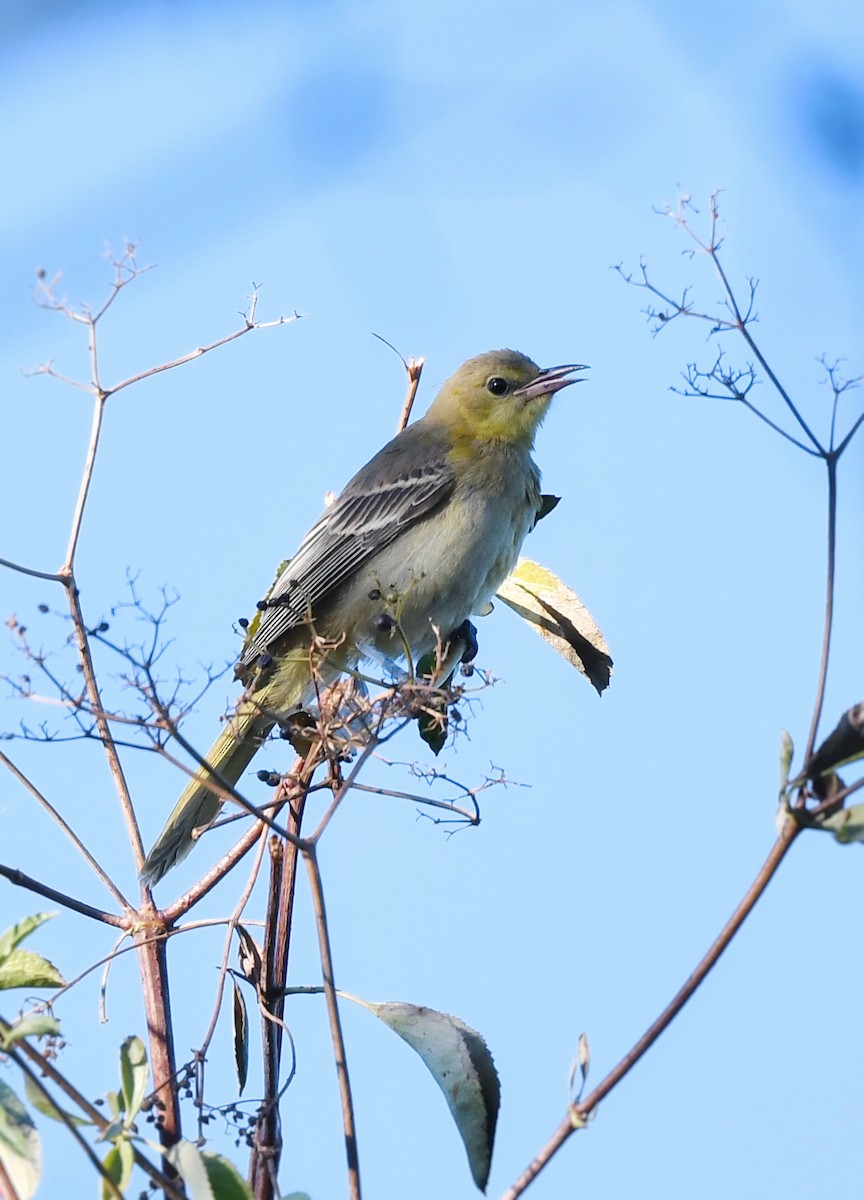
(421, 538)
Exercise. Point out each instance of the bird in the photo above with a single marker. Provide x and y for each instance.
(419, 540)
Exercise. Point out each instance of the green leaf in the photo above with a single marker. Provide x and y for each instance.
(11, 937)
(241, 1036)
(134, 1076)
(33, 1025)
(207, 1176)
(224, 1178)
(43, 1103)
(20, 1151)
(847, 825)
(555, 612)
(461, 1065)
(118, 1163)
(188, 1162)
(23, 968)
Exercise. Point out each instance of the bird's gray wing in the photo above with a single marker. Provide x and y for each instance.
(390, 493)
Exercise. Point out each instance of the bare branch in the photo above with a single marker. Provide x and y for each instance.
(89, 672)
(233, 921)
(20, 879)
(413, 368)
(339, 1055)
(839, 386)
(831, 463)
(77, 843)
(51, 576)
(577, 1114)
(739, 319)
(738, 383)
(202, 350)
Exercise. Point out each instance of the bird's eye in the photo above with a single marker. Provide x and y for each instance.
(497, 386)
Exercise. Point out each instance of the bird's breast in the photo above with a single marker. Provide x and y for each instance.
(445, 566)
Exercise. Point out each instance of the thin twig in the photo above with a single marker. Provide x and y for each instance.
(47, 369)
(741, 321)
(19, 879)
(850, 435)
(425, 801)
(51, 576)
(119, 950)
(339, 1055)
(835, 802)
(86, 478)
(763, 362)
(233, 922)
(777, 428)
(172, 912)
(577, 1114)
(365, 754)
(831, 464)
(735, 397)
(220, 786)
(413, 369)
(77, 843)
(88, 669)
(103, 983)
(201, 350)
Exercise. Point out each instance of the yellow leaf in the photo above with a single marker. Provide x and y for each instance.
(561, 619)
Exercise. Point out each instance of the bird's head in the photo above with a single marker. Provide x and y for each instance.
(501, 396)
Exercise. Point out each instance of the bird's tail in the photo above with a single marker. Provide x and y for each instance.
(198, 807)
(283, 692)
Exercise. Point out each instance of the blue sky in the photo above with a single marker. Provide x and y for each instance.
(457, 178)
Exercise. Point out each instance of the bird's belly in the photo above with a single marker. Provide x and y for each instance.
(426, 582)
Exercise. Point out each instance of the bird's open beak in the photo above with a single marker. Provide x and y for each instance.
(551, 379)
